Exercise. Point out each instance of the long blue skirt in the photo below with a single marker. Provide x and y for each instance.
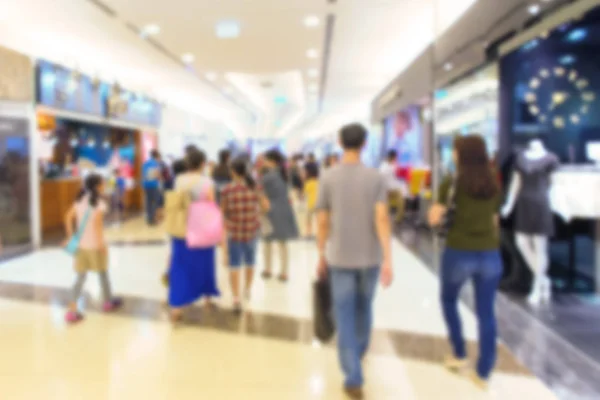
(192, 274)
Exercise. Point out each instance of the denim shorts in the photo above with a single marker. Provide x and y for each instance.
(242, 253)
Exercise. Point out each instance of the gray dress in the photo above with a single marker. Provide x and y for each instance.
(281, 214)
(533, 211)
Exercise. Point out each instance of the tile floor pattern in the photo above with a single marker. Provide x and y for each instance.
(136, 354)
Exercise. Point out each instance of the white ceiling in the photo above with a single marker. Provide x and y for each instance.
(263, 70)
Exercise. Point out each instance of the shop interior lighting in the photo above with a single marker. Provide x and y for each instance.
(211, 76)
(150, 30)
(448, 66)
(312, 21)
(559, 72)
(567, 60)
(188, 58)
(575, 119)
(228, 29)
(534, 9)
(559, 122)
(313, 73)
(577, 35)
(312, 53)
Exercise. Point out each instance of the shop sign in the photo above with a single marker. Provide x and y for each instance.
(64, 89)
(131, 107)
(16, 77)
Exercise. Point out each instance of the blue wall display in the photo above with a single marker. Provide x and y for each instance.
(63, 89)
(550, 89)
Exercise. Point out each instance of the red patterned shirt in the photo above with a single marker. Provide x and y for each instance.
(241, 208)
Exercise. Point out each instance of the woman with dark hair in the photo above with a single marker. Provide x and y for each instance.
(192, 273)
(221, 174)
(280, 215)
(469, 203)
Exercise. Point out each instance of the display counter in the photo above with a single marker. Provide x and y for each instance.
(56, 196)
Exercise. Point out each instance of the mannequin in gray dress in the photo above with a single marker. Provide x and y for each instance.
(529, 196)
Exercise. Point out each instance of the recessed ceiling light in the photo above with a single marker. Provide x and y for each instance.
(188, 58)
(313, 72)
(228, 29)
(211, 76)
(150, 30)
(534, 9)
(448, 66)
(312, 21)
(312, 53)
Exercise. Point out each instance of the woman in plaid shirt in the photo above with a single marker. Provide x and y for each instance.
(241, 205)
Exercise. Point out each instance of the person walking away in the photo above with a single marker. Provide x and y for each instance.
(311, 190)
(356, 232)
(192, 271)
(280, 215)
(221, 175)
(472, 197)
(297, 178)
(87, 214)
(179, 167)
(395, 189)
(240, 202)
(151, 172)
(311, 164)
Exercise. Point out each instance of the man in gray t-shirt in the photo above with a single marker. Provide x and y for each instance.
(354, 239)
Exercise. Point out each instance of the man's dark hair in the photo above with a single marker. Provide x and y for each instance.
(224, 156)
(190, 148)
(392, 155)
(155, 154)
(311, 157)
(195, 159)
(353, 136)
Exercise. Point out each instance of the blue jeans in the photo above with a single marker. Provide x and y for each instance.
(153, 200)
(484, 268)
(241, 253)
(353, 291)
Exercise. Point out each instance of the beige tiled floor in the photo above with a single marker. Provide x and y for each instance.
(120, 358)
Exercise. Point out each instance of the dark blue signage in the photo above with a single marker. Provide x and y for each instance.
(63, 89)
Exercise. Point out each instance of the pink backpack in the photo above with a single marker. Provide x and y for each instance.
(205, 225)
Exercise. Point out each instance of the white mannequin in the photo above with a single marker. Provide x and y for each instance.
(534, 248)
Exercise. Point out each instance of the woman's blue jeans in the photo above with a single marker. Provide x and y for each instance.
(484, 269)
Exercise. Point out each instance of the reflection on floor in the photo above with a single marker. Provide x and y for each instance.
(268, 353)
(535, 335)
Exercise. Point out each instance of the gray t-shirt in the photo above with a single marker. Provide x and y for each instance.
(350, 192)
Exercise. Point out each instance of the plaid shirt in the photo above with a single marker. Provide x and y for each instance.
(241, 208)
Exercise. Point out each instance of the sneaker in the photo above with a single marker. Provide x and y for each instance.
(456, 365)
(354, 393)
(112, 305)
(478, 381)
(73, 317)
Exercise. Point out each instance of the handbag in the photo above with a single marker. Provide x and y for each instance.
(73, 245)
(177, 204)
(448, 218)
(323, 324)
(205, 223)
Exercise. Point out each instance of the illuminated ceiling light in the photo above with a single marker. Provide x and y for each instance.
(312, 21)
(534, 9)
(575, 119)
(530, 97)
(312, 53)
(534, 83)
(313, 73)
(559, 71)
(572, 75)
(188, 58)
(577, 35)
(567, 60)
(545, 35)
(534, 110)
(150, 30)
(559, 98)
(228, 29)
(585, 109)
(448, 66)
(588, 96)
(211, 76)
(544, 73)
(559, 122)
(582, 84)
(542, 118)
